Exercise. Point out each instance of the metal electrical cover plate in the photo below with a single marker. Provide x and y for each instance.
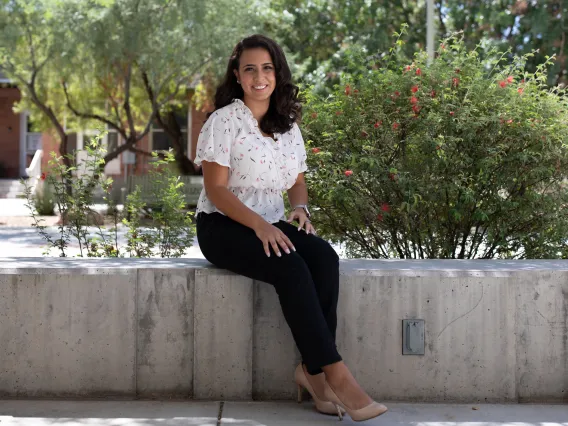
(413, 337)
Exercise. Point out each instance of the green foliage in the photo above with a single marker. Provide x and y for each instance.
(171, 230)
(521, 26)
(319, 35)
(465, 158)
(44, 200)
(115, 63)
(170, 233)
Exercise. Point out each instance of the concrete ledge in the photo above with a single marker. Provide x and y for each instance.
(496, 331)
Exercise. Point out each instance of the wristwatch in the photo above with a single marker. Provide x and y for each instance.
(305, 207)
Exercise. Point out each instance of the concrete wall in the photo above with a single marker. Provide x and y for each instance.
(495, 330)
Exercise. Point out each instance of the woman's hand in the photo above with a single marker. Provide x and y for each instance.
(273, 237)
(301, 217)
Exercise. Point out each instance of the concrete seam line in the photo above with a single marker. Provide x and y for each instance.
(220, 414)
(136, 331)
(194, 355)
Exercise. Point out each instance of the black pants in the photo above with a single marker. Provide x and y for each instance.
(306, 281)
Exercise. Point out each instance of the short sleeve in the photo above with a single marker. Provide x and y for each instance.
(215, 141)
(300, 149)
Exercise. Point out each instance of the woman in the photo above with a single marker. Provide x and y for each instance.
(251, 150)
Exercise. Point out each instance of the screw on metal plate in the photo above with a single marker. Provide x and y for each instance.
(413, 337)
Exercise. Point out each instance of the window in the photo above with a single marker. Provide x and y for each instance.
(161, 141)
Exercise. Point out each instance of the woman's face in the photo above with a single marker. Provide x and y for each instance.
(256, 74)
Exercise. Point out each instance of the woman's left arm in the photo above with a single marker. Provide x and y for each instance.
(298, 195)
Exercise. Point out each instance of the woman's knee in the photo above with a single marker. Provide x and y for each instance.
(325, 252)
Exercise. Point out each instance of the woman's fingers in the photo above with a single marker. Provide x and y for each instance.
(310, 228)
(266, 248)
(286, 244)
(274, 245)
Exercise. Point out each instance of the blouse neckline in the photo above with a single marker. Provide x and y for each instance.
(248, 112)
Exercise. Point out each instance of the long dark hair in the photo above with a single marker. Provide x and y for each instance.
(285, 108)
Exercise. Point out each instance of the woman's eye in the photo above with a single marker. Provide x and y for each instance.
(248, 69)
(268, 68)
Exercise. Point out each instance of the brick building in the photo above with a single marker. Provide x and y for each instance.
(18, 141)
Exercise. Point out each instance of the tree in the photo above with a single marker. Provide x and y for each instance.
(320, 34)
(520, 26)
(28, 52)
(124, 65)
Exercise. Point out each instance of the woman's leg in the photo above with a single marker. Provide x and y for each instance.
(232, 246)
(323, 263)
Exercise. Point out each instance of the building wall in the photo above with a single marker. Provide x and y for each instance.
(9, 133)
(198, 118)
(10, 139)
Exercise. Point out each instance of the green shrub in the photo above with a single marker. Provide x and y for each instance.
(462, 158)
(44, 199)
(171, 230)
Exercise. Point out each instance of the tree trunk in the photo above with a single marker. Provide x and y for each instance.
(170, 126)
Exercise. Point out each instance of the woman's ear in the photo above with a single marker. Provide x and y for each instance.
(237, 75)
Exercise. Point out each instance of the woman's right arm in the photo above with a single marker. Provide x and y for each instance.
(215, 178)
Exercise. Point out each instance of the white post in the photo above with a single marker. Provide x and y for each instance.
(430, 30)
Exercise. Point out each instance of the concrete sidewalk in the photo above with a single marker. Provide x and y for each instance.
(198, 413)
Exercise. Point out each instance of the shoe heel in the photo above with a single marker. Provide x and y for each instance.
(299, 394)
(339, 413)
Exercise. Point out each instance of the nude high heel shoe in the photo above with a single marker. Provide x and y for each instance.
(374, 409)
(324, 407)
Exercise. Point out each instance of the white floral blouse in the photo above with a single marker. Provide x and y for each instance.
(260, 168)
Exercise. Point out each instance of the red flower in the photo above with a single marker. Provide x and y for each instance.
(385, 207)
(418, 71)
(348, 173)
(347, 90)
(510, 79)
(355, 91)
(314, 115)
(520, 90)
(378, 124)
(407, 68)
(316, 150)
(397, 93)
(502, 83)
(452, 113)
(43, 176)
(455, 81)
(395, 125)
(414, 89)
(443, 46)
(414, 100)
(509, 121)
(433, 93)
(364, 134)
(380, 217)
(392, 176)
(416, 109)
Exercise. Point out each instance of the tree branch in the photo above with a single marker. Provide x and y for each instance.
(92, 116)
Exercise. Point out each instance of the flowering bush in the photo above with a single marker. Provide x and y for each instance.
(461, 158)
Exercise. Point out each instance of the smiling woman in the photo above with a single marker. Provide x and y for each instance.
(252, 151)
